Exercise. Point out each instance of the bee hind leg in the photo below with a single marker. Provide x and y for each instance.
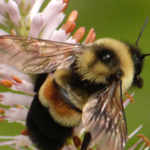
(86, 141)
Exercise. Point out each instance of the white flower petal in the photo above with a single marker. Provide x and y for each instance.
(134, 132)
(142, 147)
(9, 99)
(22, 141)
(35, 9)
(59, 35)
(52, 25)
(18, 2)
(147, 148)
(19, 140)
(2, 32)
(3, 7)
(16, 114)
(135, 145)
(7, 143)
(13, 12)
(52, 9)
(70, 40)
(37, 25)
(25, 87)
(7, 137)
(4, 69)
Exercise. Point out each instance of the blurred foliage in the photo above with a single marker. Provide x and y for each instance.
(121, 20)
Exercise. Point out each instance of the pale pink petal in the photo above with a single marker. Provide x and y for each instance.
(16, 114)
(7, 137)
(3, 7)
(35, 9)
(22, 141)
(134, 132)
(51, 26)
(25, 87)
(37, 25)
(13, 11)
(19, 140)
(70, 40)
(2, 32)
(135, 145)
(59, 35)
(142, 147)
(4, 69)
(9, 99)
(18, 2)
(7, 143)
(52, 9)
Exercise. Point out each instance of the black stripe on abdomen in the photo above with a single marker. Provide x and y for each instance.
(43, 130)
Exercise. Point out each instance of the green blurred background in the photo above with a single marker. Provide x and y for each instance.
(119, 19)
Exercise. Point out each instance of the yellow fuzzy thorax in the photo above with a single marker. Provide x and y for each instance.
(100, 71)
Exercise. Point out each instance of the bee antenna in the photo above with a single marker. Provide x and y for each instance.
(137, 42)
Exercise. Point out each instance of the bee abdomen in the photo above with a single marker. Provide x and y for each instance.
(43, 130)
(60, 107)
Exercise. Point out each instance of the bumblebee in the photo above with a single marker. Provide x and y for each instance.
(76, 84)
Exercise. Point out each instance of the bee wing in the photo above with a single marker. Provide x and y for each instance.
(36, 56)
(103, 116)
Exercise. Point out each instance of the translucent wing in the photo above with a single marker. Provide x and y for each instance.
(36, 56)
(103, 116)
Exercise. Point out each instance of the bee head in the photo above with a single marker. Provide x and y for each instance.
(137, 58)
(104, 60)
